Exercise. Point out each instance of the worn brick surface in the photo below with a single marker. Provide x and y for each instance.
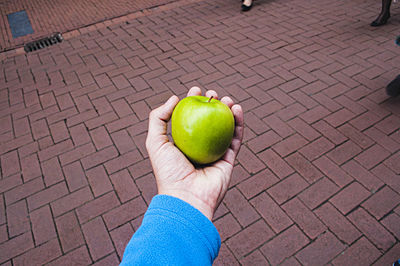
(317, 178)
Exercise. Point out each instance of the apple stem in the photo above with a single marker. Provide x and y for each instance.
(210, 98)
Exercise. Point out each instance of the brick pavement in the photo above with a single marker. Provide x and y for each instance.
(316, 181)
(60, 16)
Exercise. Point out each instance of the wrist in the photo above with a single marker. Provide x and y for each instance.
(191, 199)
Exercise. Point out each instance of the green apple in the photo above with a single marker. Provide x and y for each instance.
(202, 128)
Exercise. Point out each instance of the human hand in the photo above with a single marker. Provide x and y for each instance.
(202, 187)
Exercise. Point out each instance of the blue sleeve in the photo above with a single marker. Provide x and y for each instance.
(173, 233)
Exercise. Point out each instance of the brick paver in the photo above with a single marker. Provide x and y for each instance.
(316, 181)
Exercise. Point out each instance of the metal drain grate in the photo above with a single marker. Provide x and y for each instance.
(42, 43)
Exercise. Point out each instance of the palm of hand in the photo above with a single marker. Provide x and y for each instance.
(202, 187)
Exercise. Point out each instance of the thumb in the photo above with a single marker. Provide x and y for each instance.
(158, 119)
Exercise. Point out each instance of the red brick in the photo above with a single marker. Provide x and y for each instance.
(43, 227)
(387, 176)
(291, 111)
(240, 207)
(140, 169)
(123, 161)
(249, 161)
(47, 195)
(21, 127)
(257, 183)
(362, 252)
(356, 136)
(325, 99)
(366, 178)
(79, 134)
(314, 114)
(99, 157)
(79, 256)
(392, 223)
(390, 256)
(284, 245)
(267, 109)
(45, 143)
(122, 123)
(321, 251)
(372, 229)
(344, 152)
(372, 156)
(71, 201)
(101, 138)
(316, 148)
(382, 202)
(287, 188)
(55, 150)
(263, 141)
(121, 107)
(102, 105)
(125, 213)
(337, 223)
(331, 170)
(15, 246)
(255, 123)
(304, 167)
(83, 103)
(227, 226)
(350, 197)
(17, 218)
(290, 145)
(304, 129)
(124, 186)
(97, 238)
(121, 236)
(383, 140)
(15, 143)
(276, 163)
(140, 141)
(393, 162)
(111, 259)
(389, 124)
(120, 82)
(75, 176)
(141, 110)
(81, 117)
(329, 132)
(250, 238)
(99, 180)
(65, 101)
(147, 186)
(10, 163)
(69, 232)
(39, 129)
(278, 126)
(24, 190)
(59, 131)
(123, 141)
(319, 192)
(255, 258)
(28, 149)
(52, 173)
(271, 213)
(30, 167)
(365, 120)
(225, 257)
(304, 218)
(10, 182)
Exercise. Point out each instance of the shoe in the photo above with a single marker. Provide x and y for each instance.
(380, 21)
(393, 88)
(246, 8)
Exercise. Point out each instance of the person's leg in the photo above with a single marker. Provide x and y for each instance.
(384, 15)
(393, 88)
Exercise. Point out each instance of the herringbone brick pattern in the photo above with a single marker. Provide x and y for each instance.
(60, 16)
(317, 180)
